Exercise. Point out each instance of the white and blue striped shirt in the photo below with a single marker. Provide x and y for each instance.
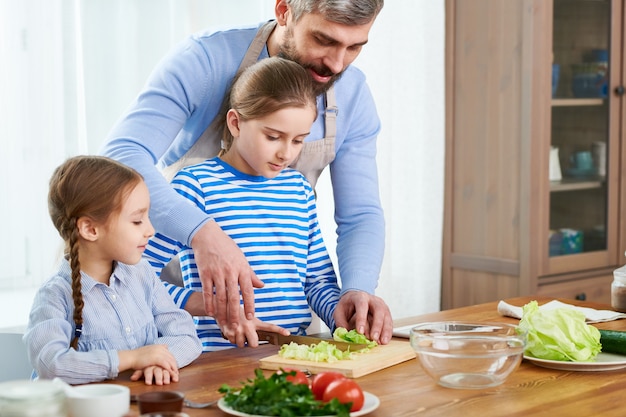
(274, 222)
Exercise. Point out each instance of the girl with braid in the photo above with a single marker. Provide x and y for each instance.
(105, 311)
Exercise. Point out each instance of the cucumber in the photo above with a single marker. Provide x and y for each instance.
(613, 341)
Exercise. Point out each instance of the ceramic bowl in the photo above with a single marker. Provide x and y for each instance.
(165, 414)
(98, 400)
(468, 355)
(156, 401)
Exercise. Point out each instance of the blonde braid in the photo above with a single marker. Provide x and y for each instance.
(76, 284)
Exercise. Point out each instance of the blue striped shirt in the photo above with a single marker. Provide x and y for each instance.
(274, 222)
(134, 310)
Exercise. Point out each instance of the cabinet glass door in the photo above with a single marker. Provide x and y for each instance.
(580, 192)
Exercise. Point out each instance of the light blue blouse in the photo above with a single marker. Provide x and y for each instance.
(134, 310)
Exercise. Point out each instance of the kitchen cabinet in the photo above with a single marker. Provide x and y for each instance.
(535, 177)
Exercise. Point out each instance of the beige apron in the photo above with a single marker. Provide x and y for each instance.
(314, 157)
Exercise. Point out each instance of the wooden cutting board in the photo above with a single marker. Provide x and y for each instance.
(378, 358)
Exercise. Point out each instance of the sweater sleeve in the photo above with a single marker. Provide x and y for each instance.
(354, 175)
(180, 99)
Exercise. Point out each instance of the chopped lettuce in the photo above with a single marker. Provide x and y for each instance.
(317, 352)
(341, 334)
(325, 351)
(560, 334)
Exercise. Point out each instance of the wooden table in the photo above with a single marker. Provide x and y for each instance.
(405, 390)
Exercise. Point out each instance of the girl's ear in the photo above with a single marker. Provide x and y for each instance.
(87, 228)
(232, 121)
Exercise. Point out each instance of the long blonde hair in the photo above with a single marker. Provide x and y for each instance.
(267, 86)
(91, 186)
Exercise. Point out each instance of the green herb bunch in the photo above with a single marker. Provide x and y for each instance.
(276, 396)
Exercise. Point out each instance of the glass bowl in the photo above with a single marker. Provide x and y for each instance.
(468, 355)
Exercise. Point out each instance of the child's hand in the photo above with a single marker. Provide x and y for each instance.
(246, 331)
(157, 374)
(149, 356)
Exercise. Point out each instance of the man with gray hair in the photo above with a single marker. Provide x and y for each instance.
(171, 125)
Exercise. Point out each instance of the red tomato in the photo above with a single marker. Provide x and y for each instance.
(346, 391)
(298, 378)
(321, 381)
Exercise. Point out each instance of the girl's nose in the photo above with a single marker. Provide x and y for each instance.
(149, 232)
(284, 152)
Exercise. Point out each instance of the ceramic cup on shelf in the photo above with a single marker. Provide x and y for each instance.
(555, 165)
(582, 161)
(599, 157)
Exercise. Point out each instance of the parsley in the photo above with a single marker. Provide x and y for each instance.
(275, 396)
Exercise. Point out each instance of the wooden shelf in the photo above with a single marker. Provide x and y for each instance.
(568, 102)
(576, 184)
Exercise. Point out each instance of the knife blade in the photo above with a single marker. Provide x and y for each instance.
(279, 340)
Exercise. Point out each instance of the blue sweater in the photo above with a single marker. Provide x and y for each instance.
(182, 97)
(274, 222)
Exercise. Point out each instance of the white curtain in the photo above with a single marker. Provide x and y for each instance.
(70, 68)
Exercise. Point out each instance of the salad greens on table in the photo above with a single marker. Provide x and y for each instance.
(325, 351)
(276, 396)
(318, 352)
(560, 334)
(341, 334)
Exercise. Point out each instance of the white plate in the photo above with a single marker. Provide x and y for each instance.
(603, 362)
(371, 403)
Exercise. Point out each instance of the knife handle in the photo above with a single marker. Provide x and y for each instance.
(267, 336)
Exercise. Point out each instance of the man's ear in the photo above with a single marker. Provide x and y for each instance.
(87, 228)
(280, 10)
(232, 121)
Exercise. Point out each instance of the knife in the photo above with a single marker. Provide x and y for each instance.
(279, 340)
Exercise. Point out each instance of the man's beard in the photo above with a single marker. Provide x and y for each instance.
(288, 51)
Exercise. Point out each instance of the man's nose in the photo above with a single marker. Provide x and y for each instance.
(335, 60)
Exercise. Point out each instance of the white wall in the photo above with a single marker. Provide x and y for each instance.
(404, 62)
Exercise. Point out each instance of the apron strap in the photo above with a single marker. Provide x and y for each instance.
(330, 115)
(257, 45)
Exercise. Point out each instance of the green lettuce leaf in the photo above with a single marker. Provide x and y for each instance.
(341, 334)
(560, 334)
(317, 352)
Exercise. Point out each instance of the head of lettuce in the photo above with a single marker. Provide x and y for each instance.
(560, 334)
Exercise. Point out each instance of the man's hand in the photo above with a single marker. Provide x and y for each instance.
(224, 272)
(366, 313)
